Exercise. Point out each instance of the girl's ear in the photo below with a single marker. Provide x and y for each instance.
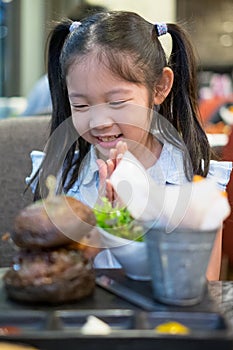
(163, 87)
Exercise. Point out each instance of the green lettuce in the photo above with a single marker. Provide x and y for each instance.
(117, 220)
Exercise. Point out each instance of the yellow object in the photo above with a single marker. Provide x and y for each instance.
(12, 346)
(224, 194)
(172, 328)
(197, 178)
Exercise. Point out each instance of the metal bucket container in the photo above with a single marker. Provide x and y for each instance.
(178, 262)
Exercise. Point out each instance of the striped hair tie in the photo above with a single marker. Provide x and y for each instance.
(74, 26)
(161, 28)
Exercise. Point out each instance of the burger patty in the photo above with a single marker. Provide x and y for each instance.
(50, 276)
(54, 223)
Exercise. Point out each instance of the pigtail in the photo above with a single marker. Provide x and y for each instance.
(184, 101)
(61, 108)
(57, 87)
(62, 142)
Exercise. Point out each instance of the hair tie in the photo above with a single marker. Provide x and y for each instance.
(74, 26)
(161, 28)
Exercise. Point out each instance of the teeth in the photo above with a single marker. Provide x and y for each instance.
(109, 138)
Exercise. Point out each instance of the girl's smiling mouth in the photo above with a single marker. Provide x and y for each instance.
(109, 138)
(108, 141)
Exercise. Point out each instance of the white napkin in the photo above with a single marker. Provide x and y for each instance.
(197, 205)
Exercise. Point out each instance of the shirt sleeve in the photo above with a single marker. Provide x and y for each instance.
(221, 172)
(37, 158)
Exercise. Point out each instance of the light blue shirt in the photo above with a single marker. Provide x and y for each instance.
(168, 169)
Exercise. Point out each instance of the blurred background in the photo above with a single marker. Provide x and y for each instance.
(24, 26)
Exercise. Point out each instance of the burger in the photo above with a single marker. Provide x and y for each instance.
(52, 263)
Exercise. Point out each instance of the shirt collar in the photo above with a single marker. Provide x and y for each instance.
(169, 168)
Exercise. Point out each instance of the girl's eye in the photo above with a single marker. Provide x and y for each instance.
(117, 103)
(80, 107)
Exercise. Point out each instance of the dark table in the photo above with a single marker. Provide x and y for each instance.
(59, 327)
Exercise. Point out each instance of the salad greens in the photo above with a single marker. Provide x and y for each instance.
(117, 220)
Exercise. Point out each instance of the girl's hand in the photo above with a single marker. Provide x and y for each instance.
(106, 169)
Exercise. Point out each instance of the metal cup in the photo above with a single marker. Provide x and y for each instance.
(178, 262)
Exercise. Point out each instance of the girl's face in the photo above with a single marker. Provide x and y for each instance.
(106, 109)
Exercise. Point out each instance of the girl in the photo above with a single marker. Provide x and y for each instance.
(111, 75)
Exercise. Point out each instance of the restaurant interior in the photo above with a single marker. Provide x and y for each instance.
(24, 126)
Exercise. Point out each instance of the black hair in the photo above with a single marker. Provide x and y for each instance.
(129, 45)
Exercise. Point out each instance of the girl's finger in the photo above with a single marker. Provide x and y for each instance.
(118, 159)
(109, 191)
(121, 147)
(113, 154)
(110, 166)
(103, 172)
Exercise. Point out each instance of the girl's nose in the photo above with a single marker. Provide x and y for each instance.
(100, 118)
(100, 124)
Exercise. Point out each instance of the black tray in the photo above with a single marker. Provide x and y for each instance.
(132, 327)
